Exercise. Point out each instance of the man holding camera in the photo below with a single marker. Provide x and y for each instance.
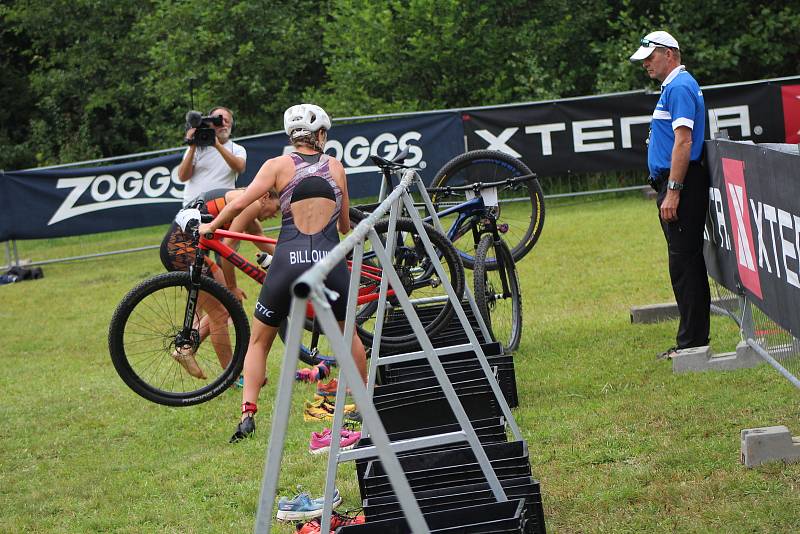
(210, 162)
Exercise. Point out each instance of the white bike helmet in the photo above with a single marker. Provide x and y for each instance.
(305, 117)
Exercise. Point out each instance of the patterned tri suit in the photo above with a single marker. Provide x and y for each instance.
(297, 252)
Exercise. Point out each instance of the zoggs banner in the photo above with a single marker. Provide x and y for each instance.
(64, 202)
(753, 240)
(609, 133)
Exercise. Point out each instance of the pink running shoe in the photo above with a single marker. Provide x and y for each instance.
(321, 441)
(316, 373)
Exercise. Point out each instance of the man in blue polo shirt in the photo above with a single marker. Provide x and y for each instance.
(674, 151)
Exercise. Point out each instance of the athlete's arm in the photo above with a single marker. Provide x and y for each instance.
(239, 224)
(340, 176)
(263, 182)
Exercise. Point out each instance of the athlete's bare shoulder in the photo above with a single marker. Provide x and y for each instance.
(334, 163)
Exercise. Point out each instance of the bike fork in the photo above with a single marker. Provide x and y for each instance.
(188, 337)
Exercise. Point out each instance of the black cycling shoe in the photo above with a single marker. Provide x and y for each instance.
(244, 429)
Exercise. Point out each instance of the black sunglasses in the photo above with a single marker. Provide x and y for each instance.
(648, 42)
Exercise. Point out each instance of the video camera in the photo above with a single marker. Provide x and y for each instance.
(204, 134)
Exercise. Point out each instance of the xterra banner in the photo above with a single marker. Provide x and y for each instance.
(87, 200)
(608, 133)
(753, 241)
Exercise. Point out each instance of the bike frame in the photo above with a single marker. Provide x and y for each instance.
(473, 207)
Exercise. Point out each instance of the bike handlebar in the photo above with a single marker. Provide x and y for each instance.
(477, 186)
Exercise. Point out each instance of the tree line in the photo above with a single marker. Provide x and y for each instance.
(85, 79)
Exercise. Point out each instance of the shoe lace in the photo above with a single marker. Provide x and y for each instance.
(352, 517)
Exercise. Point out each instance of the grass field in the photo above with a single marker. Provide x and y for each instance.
(619, 443)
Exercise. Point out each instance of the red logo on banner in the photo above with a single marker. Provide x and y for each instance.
(791, 112)
(733, 169)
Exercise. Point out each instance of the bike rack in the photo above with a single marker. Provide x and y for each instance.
(310, 286)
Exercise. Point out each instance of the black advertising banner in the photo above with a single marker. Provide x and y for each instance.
(64, 202)
(608, 133)
(753, 237)
(77, 201)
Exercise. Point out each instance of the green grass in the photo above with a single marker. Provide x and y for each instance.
(618, 442)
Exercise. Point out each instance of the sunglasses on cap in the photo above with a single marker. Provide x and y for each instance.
(648, 43)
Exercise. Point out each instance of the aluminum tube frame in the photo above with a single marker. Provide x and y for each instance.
(341, 389)
(426, 199)
(280, 417)
(462, 316)
(433, 360)
(369, 413)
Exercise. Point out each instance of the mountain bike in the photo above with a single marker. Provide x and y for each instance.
(496, 283)
(519, 212)
(161, 320)
(495, 278)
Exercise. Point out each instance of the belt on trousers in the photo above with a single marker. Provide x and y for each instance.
(656, 181)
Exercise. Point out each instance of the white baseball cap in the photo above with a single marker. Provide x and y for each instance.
(652, 41)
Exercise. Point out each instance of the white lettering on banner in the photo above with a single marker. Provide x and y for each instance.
(545, 130)
(787, 241)
(102, 190)
(122, 186)
(355, 152)
(499, 142)
(729, 117)
(625, 124)
(579, 136)
(715, 195)
(770, 215)
(763, 257)
(745, 257)
(359, 156)
(787, 247)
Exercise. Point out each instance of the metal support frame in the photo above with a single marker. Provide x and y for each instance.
(310, 287)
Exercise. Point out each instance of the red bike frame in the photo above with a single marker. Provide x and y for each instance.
(370, 275)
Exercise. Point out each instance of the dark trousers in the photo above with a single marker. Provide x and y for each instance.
(687, 268)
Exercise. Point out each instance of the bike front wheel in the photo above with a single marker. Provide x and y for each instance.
(497, 292)
(521, 207)
(151, 356)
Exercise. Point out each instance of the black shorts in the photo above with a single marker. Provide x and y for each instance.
(296, 253)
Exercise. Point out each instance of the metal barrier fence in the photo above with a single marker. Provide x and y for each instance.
(774, 344)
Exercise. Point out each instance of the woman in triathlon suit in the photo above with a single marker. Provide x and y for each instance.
(178, 251)
(314, 202)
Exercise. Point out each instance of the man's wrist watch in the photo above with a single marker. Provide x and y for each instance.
(675, 186)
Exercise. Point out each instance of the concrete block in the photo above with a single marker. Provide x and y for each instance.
(769, 443)
(654, 313)
(701, 359)
(666, 311)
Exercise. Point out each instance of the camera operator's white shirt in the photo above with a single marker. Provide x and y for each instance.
(211, 171)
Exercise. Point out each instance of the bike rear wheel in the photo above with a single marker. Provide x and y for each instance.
(497, 292)
(521, 209)
(143, 332)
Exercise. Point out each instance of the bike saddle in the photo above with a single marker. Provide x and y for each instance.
(396, 163)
